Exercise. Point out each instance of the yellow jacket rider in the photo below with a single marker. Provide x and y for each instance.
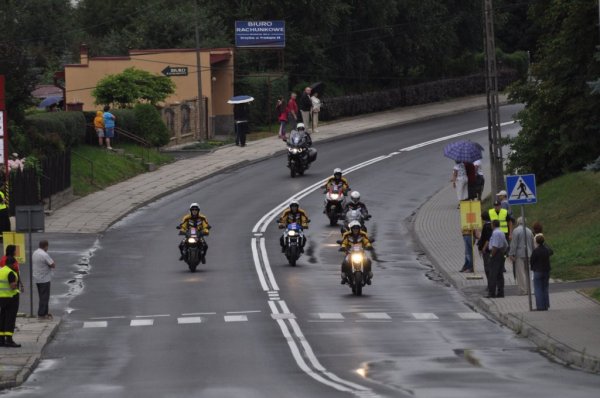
(337, 179)
(350, 238)
(293, 214)
(197, 219)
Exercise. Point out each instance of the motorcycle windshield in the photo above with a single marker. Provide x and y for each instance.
(294, 227)
(193, 231)
(353, 215)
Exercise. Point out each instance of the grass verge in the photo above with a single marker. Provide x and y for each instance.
(568, 209)
(94, 168)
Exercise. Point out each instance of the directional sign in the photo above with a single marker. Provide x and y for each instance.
(175, 71)
(521, 189)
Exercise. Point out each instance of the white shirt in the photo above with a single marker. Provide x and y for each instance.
(41, 262)
(460, 170)
(316, 103)
(477, 165)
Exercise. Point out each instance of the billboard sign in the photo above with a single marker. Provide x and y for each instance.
(260, 34)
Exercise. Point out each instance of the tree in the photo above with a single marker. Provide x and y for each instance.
(133, 86)
(560, 123)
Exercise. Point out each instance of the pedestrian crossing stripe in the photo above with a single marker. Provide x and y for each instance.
(521, 189)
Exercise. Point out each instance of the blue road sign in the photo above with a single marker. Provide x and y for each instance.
(521, 189)
(257, 34)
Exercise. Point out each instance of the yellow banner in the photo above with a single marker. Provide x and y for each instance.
(470, 214)
(17, 239)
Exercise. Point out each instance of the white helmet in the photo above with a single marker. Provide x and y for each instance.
(294, 203)
(300, 126)
(355, 196)
(194, 206)
(337, 170)
(354, 224)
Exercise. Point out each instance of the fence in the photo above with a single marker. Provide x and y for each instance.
(31, 187)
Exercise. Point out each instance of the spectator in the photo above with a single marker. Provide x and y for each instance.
(99, 127)
(9, 303)
(4, 219)
(109, 126)
(282, 115)
(316, 108)
(497, 246)
(501, 214)
(503, 198)
(540, 265)
(43, 267)
(482, 244)
(240, 116)
(471, 180)
(292, 108)
(468, 239)
(480, 179)
(306, 106)
(521, 248)
(459, 181)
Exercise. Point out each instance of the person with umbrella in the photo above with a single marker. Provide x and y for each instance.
(462, 152)
(240, 117)
(459, 180)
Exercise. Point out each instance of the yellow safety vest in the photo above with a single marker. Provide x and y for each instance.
(2, 204)
(500, 217)
(5, 289)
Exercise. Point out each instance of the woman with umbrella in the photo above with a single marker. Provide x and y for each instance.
(462, 152)
(459, 180)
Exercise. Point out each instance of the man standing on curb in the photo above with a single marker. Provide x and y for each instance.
(520, 248)
(9, 303)
(43, 266)
(497, 248)
(306, 107)
(292, 107)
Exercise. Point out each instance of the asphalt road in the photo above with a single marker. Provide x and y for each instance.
(249, 325)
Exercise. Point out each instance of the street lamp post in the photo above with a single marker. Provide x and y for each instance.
(199, 75)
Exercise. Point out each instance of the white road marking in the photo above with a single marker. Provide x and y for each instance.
(470, 315)
(152, 316)
(110, 317)
(142, 322)
(330, 315)
(424, 315)
(375, 315)
(97, 324)
(189, 319)
(261, 277)
(243, 312)
(236, 318)
(199, 313)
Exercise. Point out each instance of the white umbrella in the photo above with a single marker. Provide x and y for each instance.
(240, 99)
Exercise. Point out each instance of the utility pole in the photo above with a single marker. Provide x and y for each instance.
(199, 77)
(491, 86)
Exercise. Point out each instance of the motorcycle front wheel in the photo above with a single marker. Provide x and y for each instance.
(358, 277)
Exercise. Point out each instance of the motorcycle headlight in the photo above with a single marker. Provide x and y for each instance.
(292, 233)
(192, 240)
(294, 150)
(335, 196)
(356, 257)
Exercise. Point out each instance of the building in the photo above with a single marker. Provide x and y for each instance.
(180, 109)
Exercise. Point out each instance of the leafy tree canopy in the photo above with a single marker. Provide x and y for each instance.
(561, 122)
(133, 86)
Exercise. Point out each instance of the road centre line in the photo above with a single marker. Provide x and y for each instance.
(199, 313)
(265, 268)
(110, 317)
(242, 312)
(152, 316)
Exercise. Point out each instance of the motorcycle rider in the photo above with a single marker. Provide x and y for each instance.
(302, 130)
(337, 179)
(197, 220)
(354, 236)
(293, 214)
(356, 204)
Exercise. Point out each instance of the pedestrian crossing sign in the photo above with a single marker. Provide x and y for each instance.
(521, 189)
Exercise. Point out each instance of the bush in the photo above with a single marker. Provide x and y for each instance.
(262, 109)
(69, 126)
(150, 125)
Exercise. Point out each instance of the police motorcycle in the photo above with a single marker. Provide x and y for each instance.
(292, 238)
(300, 151)
(335, 200)
(194, 247)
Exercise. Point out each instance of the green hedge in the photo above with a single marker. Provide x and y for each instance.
(70, 126)
(150, 125)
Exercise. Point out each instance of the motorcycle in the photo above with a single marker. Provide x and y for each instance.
(358, 277)
(354, 215)
(194, 248)
(292, 238)
(335, 201)
(300, 154)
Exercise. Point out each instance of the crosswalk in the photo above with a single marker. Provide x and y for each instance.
(247, 316)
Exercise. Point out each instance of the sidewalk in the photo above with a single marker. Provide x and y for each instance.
(568, 330)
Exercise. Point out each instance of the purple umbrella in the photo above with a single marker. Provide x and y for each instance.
(463, 151)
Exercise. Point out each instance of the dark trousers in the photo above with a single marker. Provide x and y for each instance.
(8, 315)
(44, 294)
(496, 277)
(486, 264)
(541, 283)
